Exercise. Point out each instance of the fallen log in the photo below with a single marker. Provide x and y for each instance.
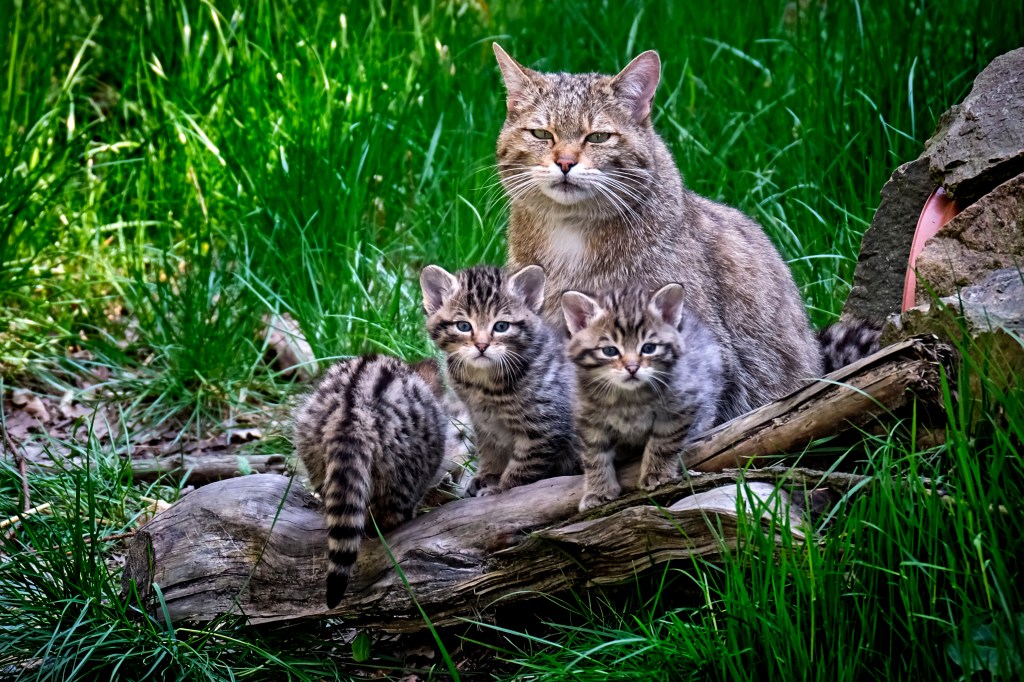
(200, 468)
(254, 545)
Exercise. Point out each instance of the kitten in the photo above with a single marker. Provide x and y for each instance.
(373, 436)
(597, 201)
(650, 378)
(510, 370)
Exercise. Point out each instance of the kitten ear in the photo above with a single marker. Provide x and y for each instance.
(636, 84)
(667, 303)
(437, 284)
(528, 284)
(579, 309)
(517, 77)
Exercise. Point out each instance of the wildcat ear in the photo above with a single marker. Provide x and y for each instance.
(579, 309)
(528, 284)
(517, 77)
(667, 303)
(636, 84)
(437, 285)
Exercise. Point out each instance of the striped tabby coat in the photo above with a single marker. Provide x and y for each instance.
(650, 377)
(372, 436)
(510, 370)
(846, 341)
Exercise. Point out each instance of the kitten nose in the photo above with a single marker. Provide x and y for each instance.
(566, 164)
(482, 347)
(632, 368)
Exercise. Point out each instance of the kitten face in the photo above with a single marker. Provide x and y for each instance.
(575, 138)
(485, 320)
(625, 340)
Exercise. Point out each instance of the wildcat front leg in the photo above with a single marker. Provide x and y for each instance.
(662, 457)
(600, 483)
(533, 459)
(490, 463)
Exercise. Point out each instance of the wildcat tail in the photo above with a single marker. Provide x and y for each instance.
(347, 490)
(847, 341)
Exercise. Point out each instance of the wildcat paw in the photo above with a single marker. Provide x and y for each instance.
(490, 490)
(484, 485)
(656, 479)
(591, 500)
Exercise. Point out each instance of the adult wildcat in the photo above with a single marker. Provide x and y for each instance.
(597, 201)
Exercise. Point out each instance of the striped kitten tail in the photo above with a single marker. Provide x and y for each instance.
(847, 341)
(346, 494)
(371, 436)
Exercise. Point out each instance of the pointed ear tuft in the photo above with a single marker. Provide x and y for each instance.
(516, 76)
(667, 303)
(528, 284)
(579, 310)
(636, 84)
(437, 285)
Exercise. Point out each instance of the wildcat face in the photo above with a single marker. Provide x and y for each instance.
(626, 340)
(483, 319)
(574, 138)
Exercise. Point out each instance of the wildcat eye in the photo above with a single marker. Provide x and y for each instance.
(501, 326)
(648, 348)
(542, 134)
(610, 351)
(464, 326)
(597, 138)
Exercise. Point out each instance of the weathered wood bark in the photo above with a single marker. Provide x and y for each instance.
(205, 467)
(882, 384)
(254, 545)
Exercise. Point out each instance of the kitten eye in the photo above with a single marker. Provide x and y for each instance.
(648, 348)
(597, 138)
(464, 326)
(610, 351)
(542, 134)
(501, 326)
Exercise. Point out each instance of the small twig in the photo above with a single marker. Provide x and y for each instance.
(87, 539)
(19, 459)
(118, 536)
(28, 512)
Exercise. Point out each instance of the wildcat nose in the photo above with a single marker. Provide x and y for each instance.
(482, 347)
(633, 368)
(566, 164)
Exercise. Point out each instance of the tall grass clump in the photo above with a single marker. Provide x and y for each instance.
(63, 612)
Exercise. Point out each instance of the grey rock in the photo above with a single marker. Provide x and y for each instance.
(878, 279)
(990, 313)
(977, 148)
(987, 236)
(979, 143)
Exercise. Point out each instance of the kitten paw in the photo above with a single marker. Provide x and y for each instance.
(482, 486)
(591, 500)
(491, 490)
(655, 480)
